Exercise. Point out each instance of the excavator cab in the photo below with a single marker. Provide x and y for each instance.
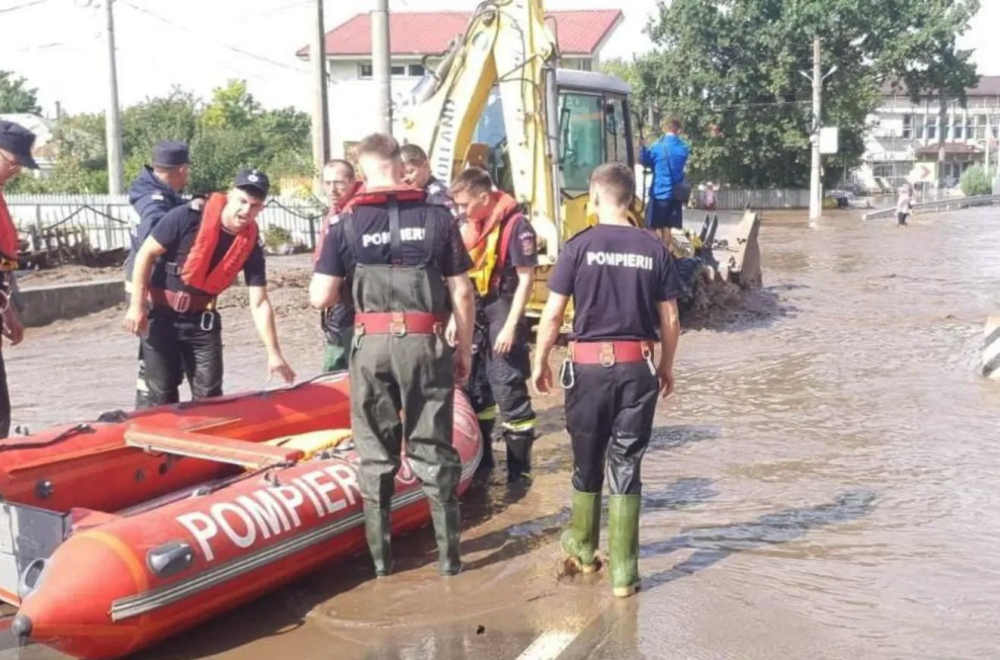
(497, 99)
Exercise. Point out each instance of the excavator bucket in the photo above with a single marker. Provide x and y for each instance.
(723, 254)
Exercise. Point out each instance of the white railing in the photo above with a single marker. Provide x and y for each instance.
(949, 204)
(109, 219)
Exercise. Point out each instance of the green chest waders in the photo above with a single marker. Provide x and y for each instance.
(402, 388)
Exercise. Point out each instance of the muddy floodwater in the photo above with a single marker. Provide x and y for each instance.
(824, 484)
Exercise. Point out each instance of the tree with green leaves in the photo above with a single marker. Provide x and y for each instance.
(229, 132)
(736, 73)
(16, 97)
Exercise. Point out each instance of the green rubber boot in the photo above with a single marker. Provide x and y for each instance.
(579, 542)
(377, 531)
(623, 543)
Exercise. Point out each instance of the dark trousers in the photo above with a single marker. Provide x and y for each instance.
(4, 400)
(609, 416)
(501, 381)
(413, 375)
(179, 345)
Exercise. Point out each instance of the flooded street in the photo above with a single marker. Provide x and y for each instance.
(823, 484)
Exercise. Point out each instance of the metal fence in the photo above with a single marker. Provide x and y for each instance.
(109, 219)
(776, 198)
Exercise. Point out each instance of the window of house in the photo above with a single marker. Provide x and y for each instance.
(907, 127)
(918, 127)
(958, 129)
(932, 126)
(365, 70)
(415, 70)
(981, 127)
(882, 169)
(399, 69)
(970, 127)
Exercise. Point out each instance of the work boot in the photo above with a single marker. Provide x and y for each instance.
(579, 542)
(519, 445)
(486, 429)
(447, 526)
(377, 529)
(623, 543)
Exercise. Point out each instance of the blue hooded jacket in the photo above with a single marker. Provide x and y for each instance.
(655, 156)
(151, 198)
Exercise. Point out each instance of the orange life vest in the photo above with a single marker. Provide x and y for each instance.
(377, 196)
(9, 245)
(488, 242)
(195, 272)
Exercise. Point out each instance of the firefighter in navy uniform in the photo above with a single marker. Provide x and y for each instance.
(192, 255)
(624, 287)
(409, 271)
(502, 245)
(154, 192)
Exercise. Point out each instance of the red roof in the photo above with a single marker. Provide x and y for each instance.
(428, 33)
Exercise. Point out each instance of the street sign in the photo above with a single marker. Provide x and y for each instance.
(923, 173)
(829, 140)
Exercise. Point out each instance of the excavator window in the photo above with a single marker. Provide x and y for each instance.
(582, 129)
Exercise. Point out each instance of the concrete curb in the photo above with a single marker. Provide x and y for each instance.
(45, 304)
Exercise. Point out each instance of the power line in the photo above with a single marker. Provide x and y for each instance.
(235, 49)
(26, 4)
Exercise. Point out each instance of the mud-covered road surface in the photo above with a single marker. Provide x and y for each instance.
(823, 484)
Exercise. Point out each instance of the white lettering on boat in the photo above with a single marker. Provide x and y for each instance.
(273, 511)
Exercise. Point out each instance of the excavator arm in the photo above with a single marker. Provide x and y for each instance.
(506, 45)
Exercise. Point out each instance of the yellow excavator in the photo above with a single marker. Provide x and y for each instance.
(499, 100)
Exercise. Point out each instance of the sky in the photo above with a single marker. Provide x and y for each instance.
(59, 46)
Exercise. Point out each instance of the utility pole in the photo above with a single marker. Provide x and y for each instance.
(815, 196)
(112, 121)
(381, 67)
(321, 118)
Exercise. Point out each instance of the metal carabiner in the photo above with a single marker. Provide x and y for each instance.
(566, 369)
(209, 324)
(648, 354)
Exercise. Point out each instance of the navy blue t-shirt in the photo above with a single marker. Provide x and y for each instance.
(371, 228)
(617, 276)
(177, 230)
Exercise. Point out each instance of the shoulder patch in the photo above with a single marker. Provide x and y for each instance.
(527, 244)
(157, 197)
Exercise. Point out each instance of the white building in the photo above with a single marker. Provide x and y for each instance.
(418, 40)
(906, 134)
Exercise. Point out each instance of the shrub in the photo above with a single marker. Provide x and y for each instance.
(977, 180)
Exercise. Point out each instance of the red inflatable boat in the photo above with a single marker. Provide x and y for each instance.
(116, 534)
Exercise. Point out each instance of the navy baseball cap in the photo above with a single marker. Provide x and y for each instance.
(171, 154)
(254, 179)
(18, 141)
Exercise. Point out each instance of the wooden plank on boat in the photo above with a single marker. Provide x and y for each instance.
(246, 454)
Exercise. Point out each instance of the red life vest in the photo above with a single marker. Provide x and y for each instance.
(195, 272)
(379, 196)
(334, 210)
(9, 245)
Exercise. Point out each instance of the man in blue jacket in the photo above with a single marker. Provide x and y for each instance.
(154, 192)
(667, 158)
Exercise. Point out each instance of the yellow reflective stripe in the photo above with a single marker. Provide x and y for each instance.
(488, 415)
(525, 425)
